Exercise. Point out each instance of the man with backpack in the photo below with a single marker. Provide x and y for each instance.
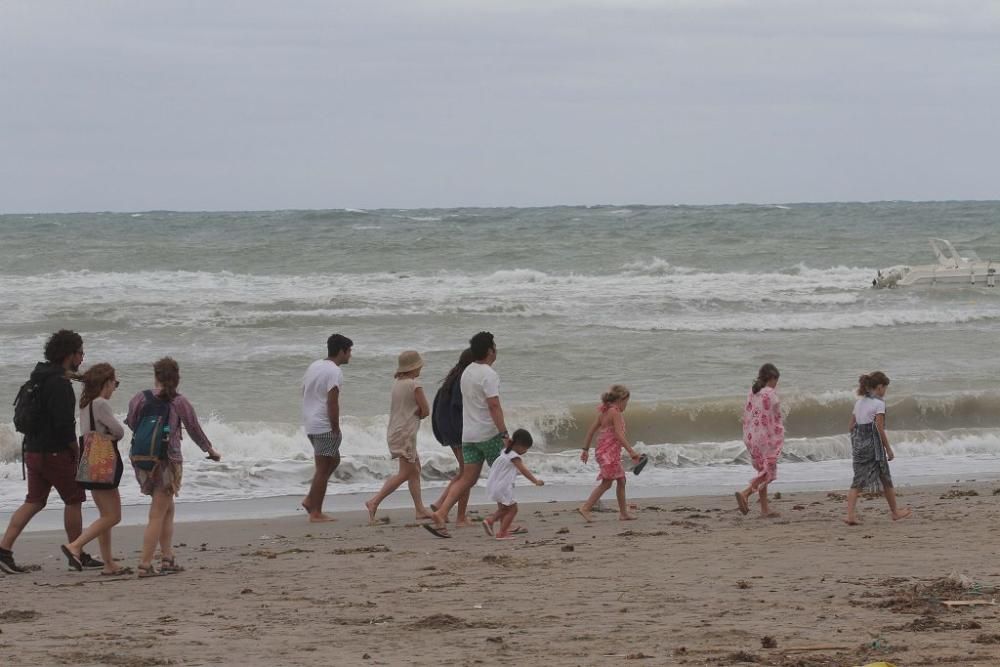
(45, 411)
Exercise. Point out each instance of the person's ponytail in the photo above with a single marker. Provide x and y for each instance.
(766, 373)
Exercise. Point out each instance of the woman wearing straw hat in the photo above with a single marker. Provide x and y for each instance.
(409, 406)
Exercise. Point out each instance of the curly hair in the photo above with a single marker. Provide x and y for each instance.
(62, 344)
(868, 382)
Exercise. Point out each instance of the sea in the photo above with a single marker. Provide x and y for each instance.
(680, 303)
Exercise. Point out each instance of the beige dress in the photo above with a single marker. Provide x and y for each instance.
(403, 420)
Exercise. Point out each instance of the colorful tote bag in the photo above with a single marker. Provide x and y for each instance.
(98, 462)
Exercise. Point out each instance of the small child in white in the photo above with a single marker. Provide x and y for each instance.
(500, 486)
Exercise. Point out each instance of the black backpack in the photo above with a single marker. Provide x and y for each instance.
(29, 414)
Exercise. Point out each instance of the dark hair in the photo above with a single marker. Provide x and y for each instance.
(766, 373)
(168, 374)
(62, 344)
(464, 360)
(520, 437)
(481, 344)
(871, 380)
(94, 380)
(336, 343)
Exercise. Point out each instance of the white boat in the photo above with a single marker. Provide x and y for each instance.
(951, 269)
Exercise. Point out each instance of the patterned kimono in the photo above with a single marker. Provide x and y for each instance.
(763, 434)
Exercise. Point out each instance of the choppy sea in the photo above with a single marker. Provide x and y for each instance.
(681, 303)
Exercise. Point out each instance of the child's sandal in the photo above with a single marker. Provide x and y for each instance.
(170, 566)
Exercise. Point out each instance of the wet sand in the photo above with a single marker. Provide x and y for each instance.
(691, 582)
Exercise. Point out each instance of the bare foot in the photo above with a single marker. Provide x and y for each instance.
(585, 514)
(852, 522)
(462, 523)
(770, 515)
(372, 508)
(305, 505)
(626, 517)
(899, 515)
(319, 517)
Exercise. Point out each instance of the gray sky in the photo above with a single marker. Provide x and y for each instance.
(124, 105)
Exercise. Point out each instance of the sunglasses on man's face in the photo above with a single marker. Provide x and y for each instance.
(117, 384)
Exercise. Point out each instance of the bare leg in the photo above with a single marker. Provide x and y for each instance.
(413, 482)
(595, 495)
(897, 514)
(852, 504)
(622, 504)
(154, 527)
(391, 484)
(509, 512)
(765, 508)
(73, 521)
(166, 538)
(313, 503)
(109, 504)
(467, 480)
(18, 520)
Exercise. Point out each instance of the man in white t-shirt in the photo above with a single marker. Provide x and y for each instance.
(321, 419)
(484, 431)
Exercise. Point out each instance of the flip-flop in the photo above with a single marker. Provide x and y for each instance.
(488, 527)
(506, 537)
(640, 464)
(519, 530)
(120, 572)
(742, 502)
(74, 561)
(435, 531)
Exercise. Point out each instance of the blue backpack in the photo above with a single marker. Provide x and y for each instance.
(152, 433)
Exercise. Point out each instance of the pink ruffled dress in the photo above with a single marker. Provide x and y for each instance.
(609, 450)
(763, 433)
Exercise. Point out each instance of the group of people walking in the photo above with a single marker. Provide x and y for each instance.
(53, 455)
(467, 416)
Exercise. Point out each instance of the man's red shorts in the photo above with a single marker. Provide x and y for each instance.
(48, 469)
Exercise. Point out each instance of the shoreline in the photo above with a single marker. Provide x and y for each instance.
(279, 506)
(670, 586)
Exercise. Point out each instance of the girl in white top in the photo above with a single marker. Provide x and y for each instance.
(500, 486)
(408, 406)
(99, 383)
(870, 450)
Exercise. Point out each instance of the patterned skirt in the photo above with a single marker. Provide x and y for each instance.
(871, 469)
(165, 476)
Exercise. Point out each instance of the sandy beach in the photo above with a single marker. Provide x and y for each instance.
(690, 582)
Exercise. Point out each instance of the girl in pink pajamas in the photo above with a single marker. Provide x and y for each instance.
(764, 436)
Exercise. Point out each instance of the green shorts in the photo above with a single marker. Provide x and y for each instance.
(477, 452)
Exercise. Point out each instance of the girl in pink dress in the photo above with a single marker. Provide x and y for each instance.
(764, 436)
(609, 450)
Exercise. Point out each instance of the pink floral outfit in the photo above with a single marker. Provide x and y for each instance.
(763, 433)
(609, 450)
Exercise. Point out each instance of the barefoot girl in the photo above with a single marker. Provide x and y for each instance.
(408, 407)
(870, 448)
(764, 436)
(500, 486)
(610, 441)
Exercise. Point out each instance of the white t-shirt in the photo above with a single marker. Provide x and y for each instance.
(500, 483)
(866, 408)
(321, 376)
(479, 382)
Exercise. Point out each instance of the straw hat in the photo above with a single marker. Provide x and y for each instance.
(410, 360)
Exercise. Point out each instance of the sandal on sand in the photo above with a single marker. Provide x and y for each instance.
(120, 572)
(488, 527)
(435, 530)
(518, 530)
(170, 566)
(508, 536)
(742, 502)
(74, 561)
(148, 571)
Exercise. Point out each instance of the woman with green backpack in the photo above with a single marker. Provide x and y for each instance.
(155, 417)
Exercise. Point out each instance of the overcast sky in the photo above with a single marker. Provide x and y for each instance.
(252, 104)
